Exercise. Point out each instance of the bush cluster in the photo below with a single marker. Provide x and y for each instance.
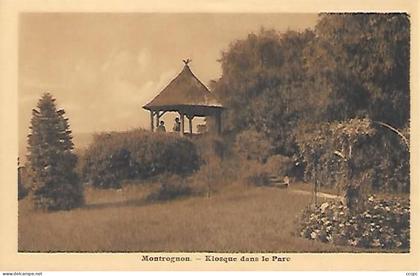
(137, 154)
(253, 145)
(212, 148)
(260, 174)
(258, 179)
(220, 165)
(171, 188)
(280, 165)
(383, 224)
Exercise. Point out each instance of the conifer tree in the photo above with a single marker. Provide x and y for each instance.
(55, 184)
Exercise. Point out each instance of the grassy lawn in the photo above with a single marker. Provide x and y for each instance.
(241, 219)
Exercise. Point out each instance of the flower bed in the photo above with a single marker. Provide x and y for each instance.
(384, 224)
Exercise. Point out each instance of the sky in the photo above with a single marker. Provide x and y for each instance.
(102, 68)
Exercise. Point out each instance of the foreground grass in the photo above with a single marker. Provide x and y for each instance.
(238, 220)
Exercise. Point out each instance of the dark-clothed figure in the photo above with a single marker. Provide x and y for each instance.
(161, 127)
(177, 125)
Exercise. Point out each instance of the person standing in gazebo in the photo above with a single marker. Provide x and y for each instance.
(177, 125)
(161, 127)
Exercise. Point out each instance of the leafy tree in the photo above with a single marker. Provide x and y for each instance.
(246, 73)
(349, 66)
(56, 186)
(362, 61)
(264, 86)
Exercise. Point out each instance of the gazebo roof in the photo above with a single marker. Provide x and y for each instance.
(186, 92)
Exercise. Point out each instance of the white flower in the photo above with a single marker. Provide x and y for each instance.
(376, 243)
(324, 206)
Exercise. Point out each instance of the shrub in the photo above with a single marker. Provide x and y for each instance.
(171, 188)
(209, 178)
(382, 224)
(253, 145)
(259, 179)
(253, 172)
(280, 165)
(220, 166)
(259, 174)
(212, 147)
(137, 154)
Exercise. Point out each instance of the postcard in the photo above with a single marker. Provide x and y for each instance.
(202, 135)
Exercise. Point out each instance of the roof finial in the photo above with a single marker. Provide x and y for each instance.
(186, 61)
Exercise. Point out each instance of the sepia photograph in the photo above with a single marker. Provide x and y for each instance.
(222, 135)
(214, 132)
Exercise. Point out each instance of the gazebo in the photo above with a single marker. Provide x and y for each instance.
(189, 97)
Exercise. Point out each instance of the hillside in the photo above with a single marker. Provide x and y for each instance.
(240, 219)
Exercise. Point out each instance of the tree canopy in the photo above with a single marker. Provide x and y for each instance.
(363, 60)
(349, 66)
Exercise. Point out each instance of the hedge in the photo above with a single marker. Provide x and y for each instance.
(137, 154)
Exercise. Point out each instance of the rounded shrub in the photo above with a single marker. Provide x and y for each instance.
(280, 165)
(253, 145)
(171, 188)
(137, 154)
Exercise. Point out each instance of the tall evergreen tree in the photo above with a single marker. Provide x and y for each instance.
(55, 184)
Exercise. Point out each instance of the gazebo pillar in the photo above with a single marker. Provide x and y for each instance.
(190, 123)
(219, 123)
(152, 126)
(181, 131)
(158, 115)
(157, 119)
(190, 117)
